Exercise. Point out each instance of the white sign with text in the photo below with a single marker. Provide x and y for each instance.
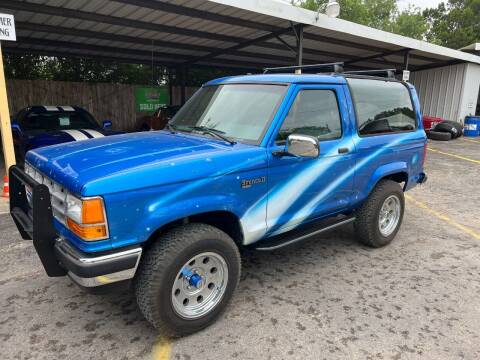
(7, 27)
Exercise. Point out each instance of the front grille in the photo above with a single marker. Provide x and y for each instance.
(58, 194)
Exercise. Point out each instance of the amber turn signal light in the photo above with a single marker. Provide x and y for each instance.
(87, 232)
(92, 211)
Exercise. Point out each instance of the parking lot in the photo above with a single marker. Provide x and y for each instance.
(327, 298)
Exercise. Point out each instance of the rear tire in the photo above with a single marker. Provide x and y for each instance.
(370, 229)
(456, 125)
(447, 127)
(164, 294)
(439, 136)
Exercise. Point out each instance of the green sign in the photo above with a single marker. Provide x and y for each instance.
(150, 99)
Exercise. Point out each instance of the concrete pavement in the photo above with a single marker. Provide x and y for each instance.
(328, 298)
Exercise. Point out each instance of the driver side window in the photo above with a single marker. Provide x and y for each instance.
(314, 113)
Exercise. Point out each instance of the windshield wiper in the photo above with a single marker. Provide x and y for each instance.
(170, 127)
(213, 132)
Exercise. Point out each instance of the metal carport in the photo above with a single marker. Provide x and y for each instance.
(247, 35)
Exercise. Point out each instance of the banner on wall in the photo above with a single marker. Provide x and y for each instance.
(148, 99)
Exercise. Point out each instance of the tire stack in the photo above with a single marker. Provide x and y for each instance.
(445, 131)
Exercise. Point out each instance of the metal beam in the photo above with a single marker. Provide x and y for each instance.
(36, 8)
(88, 34)
(299, 36)
(146, 55)
(183, 83)
(174, 57)
(375, 56)
(113, 20)
(287, 45)
(231, 20)
(406, 59)
(136, 24)
(99, 48)
(118, 59)
(240, 45)
(199, 14)
(439, 65)
(60, 30)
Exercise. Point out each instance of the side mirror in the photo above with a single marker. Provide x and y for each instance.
(107, 124)
(302, 146)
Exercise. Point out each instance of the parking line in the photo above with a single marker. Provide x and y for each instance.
(455, 156)
(471, 140)
(443, 217)
(162, 349)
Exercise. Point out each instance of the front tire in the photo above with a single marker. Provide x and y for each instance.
(186, 278)
(379, 219)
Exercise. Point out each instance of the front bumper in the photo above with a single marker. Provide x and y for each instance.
(57, 255)
(422, 179)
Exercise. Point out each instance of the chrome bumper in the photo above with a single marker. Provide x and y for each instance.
(90, 270)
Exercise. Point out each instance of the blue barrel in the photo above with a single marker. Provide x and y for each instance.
(472, 126)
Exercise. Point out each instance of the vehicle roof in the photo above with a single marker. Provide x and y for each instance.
(282, 78)
(53, 108)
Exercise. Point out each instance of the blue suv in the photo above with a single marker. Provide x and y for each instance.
(260, 160)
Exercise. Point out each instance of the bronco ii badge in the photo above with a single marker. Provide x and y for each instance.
(247, 183)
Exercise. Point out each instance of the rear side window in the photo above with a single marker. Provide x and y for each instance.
(314, 113)
(382, 106)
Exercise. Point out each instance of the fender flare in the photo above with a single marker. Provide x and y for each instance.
(387, 170)
(188, 208)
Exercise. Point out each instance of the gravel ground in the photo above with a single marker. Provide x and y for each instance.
(328, 298)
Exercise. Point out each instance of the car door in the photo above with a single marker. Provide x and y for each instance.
(303, 189)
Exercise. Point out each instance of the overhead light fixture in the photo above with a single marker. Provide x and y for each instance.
(333, 9)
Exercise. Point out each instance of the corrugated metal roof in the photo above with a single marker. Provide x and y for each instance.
(209, 32)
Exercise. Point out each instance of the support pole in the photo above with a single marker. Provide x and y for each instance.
(5, 126)
(170, 86)
(299, 36)
(406, 59)
(183, 76)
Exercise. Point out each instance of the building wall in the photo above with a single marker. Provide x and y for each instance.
(114, 102)
(440, 90)
(469, 100)
(448, 92)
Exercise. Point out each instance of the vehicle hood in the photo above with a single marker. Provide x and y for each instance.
(39, 138)
(139, 160)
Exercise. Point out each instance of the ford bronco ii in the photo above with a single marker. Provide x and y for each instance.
(257, 160)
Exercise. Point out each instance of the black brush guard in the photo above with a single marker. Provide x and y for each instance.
(36, 222)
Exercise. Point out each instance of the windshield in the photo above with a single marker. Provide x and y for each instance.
(237, 111)
(58, 120)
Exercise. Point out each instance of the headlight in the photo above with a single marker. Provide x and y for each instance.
(86, 218)
(74, 208)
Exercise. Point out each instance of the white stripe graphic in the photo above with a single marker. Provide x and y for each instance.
(67, 108)
(51, 108)
(76, 135)
(93, 133)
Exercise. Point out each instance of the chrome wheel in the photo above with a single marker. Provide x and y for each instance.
(389, 216)
(199, 285)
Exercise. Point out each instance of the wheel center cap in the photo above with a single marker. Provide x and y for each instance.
(196, 280)
(193, 278)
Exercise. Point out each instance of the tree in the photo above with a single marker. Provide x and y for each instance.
(410, 23)
(379, 14)
(30, 66)
(454, 24)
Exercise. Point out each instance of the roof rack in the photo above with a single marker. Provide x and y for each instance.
(388, 73)
(335, 67)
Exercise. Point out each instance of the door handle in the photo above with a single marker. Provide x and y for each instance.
(343, 150)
